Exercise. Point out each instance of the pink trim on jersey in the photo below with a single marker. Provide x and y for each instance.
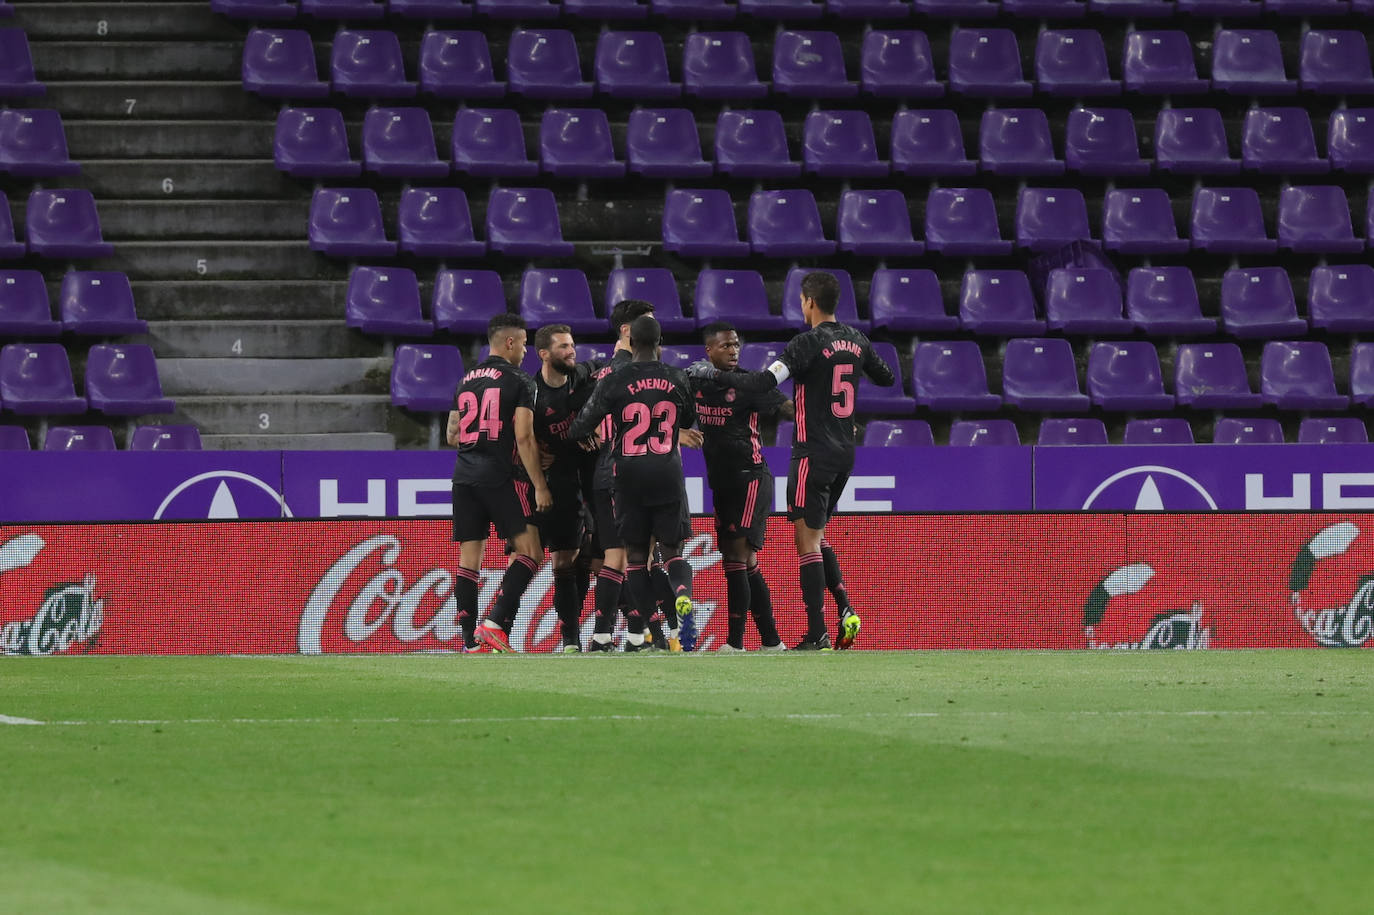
(754, 437)
(749, 501)
(803, 471)
(799, 398)
(522, 492)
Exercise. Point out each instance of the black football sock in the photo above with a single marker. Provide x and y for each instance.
(663, 594)
(655, 626)
(641, 595)
(812, 574)
(608, 586)
(565, 603)
(761, 608)
(737, 602)
(465, 596)
(834, 578)
(680, 574)
(513, 585)
(582, 571)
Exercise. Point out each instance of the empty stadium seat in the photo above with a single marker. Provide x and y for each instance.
(701, 223)
(908, 300)
(682, 356)
(1133, 9)
(1160, 63)
(840, 144)
(385, 300)
(1362, 374)
(876, 223)
(782, 9)
(1258, 302)
(1047, 219)
(1140, 221)
(959, 9)
(399, 143)
(98, 303)
(24, 307)
(518, 9)
(1192, 141)
(457, 65)
(1164, 301)
(1335, 62)
(465, 300)
(1249, 62)
(368, 64)
(436, 222)
(347, 222)
(277, 63)
(1340, 299)
(986, 63)
(1232, 431)
(490, 142)
(1280, 140)
(1073, 62)
(1085, 301)
(624, 10)
(266, 10)
(998, 302)
(892, 400)
(737, 296)
(1340, 430)
(313, 143)
(1102, 141)
(846, 310)
(1016, 141)
(634, 65)
(64, 223)
(1350, 140)
(1316, 220)
(1057, 432)
(430, 9)
(897, 433)
(1171, 431)
(543, 63)
(1212, 375)
(1304, 7)
(983, 432)
(1126, 376)
(576, 143)
(1298, 376)
(79, 438)
(720, 65)
(425, 377)
(559, 296)
(1229, 221)
(1039, 374)
(703, 10)
(753, 144)
(898, 64)
(786, 224)
(10, 248)
(344, 9)
(655, 285)
(165, 438)
(121, 380)
(36, 378)
(33, 144)
(963, 221)
(663, 143)
(810, 65)
(930, 143)
(524, 221)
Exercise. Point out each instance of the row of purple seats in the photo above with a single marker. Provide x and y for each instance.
(97, 303)
(101, 438)
(57, 223)
(434, 222)
(121, 380)
(984, 63)
(1057, 431)
(17, 79)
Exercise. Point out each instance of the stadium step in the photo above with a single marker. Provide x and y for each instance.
(178, 259)
(136, 100)
(185, 139)
(70, 60)
(277, 339)
(237, 377)
(335, 441)
(145, 220)
(283, 413)
(122, 21)
(240, 300)
(171, 179)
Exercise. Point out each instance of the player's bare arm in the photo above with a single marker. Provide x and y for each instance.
(451, 430)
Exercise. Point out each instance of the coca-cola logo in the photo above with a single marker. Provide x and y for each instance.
(1340, 627)
(68, 615)
(1181, 630)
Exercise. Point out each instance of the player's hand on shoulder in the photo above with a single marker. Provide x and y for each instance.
(689, 438)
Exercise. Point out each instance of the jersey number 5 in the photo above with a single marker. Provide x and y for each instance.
(473, 422)
(842, 388)
(639, 417)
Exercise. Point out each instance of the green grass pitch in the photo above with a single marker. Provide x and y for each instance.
(855, 782)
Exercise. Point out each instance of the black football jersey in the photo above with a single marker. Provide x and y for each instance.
(604, 478)
(729, 422)
(558, 407)
(486, 403)
(826, 363)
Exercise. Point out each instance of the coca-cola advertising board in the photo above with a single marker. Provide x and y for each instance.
(1029, 581)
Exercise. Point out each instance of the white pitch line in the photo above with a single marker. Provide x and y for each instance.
(11, 719)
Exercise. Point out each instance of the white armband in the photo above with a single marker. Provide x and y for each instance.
(780, 371)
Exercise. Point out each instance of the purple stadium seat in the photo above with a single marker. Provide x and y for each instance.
(490, 142)
(1228, 220)
(1369, 220)
(1079, 301)
(122, 380)
(79, 438)
(1304, 7)
(464, 300)
(1048, 9)
(1016, 141)
(1249, 62)
(64, 223)
(33, 144)
(898, 64)
(1038, 373)
(517, 9)
(963, 221)
(16, 66)
(702, 10)
(312, 143)
(756, 357)
(1280, 140)
(24, 307)
(1133, 9)
(1140, 221)
(1192, 141)
(663, 143)
(1163, 301)
(655, 285)
(1231, 431)
(98, 303)
(343, 9)
(255, 9)
(1362, 374)
(929, 143)
(846, 311)
(720, 65)
(559, 296)
(891, 400)
(1073, 62)
(425, 377)
(1220, 7)
(1102, 141)
(543, 63)
(897, 433)
(1340, 430)
(737, 296)
(399, 143)
(347, 222)
(956, 9)
(165, 438)
(986, 63)
(436, 222)
(9, 248)
(619, 10)
(701, 224)
(1341, 299)
(1160, 63)
(385, 300)
(36, 378)
(1362, 6)
(457, 65)
(1157, 432)
(14, 438)
(1350, 140)
(1298, 376)
(1047, 219)
(1126, 376)
(1212, 375)
(1316, 220)
(753, 144)
(576, 143)
(682, 356)
(1258, 302)
(983, 432)
(1335, 62)
(876, 223)
(430, 9)
(634, 65)
(908, 300)
(277, 63)
(841, 144)
(524, 221)
(998, 302)
(1059, 432)
(786, 224)
(810, 65)
(782, 9)
(368, 64)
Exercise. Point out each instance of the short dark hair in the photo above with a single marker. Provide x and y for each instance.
(823, 289)
(543, 338)
(716, 327)
(645, 332)
(503, 322)
(626, 310)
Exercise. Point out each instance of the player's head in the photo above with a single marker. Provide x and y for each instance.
(624, 312)
(645, 335)
(506, 334)
(820, 296)
(554, 343)
(722, 344)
